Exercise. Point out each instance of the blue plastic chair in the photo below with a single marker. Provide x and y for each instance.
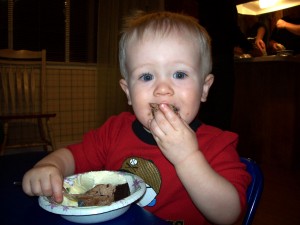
(254, 190)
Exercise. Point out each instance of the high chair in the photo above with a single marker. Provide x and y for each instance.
(254, 190)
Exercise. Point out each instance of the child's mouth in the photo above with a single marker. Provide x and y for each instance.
(154, 108)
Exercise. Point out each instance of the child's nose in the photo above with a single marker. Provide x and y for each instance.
(163, 88)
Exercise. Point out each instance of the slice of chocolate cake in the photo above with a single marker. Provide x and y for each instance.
(103, 194)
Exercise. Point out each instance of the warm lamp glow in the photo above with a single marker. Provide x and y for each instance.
(267, 3)
(265, 6)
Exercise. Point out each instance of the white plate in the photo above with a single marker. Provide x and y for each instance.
(95, 214)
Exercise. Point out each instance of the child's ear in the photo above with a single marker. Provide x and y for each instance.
(206, 86)
(124, 86)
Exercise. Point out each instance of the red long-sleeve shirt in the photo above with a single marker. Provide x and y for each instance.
(122, 144)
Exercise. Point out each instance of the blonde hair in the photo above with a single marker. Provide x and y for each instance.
(163, 23)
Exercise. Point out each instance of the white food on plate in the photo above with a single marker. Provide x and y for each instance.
(87, 181)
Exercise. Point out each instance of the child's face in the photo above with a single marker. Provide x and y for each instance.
(164, 70)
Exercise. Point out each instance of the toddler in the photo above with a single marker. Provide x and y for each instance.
(192, 171)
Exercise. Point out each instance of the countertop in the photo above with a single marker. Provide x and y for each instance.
(270, 58)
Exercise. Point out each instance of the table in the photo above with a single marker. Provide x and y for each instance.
(18, 208)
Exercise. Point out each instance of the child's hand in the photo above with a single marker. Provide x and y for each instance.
(44, 180)
(174, 137)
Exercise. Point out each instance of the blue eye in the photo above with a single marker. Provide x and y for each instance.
(146, 77)
(179, 75)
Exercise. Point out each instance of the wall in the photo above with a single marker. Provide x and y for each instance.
(71, 94)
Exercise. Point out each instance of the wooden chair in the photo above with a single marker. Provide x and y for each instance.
(22, 82)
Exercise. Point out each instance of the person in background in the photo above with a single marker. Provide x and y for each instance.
(193, 170)
(256, 33)
(259, 34)
(242, 45)
(260, 43)
(286, 34)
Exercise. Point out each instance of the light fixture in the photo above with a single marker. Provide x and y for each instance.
(266, 3)
(265, 6)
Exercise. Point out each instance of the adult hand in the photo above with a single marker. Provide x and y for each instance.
(260, 45)
(278, 47)
(281, 24)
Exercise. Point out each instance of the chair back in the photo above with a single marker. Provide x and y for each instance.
(254, 190)
(22, 79)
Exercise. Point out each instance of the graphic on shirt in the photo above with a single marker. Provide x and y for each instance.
(149, 173)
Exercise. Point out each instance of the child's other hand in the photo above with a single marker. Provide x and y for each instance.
(173, 135)
(44, 180)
